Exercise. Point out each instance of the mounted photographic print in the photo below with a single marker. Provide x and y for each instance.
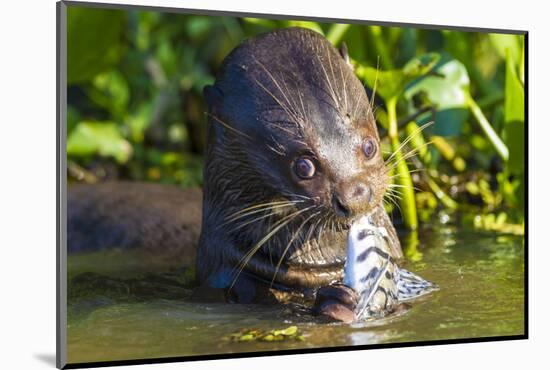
(238, 184)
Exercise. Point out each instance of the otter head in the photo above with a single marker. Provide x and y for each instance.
(290, 122)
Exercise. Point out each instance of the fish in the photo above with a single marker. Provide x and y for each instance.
(375, 275)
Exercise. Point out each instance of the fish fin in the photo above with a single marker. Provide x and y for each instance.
(411, 286)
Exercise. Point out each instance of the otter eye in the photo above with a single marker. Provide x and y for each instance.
(304, 168)
(369, 148)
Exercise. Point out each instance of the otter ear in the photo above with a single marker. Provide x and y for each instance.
(343, 49)
(213, 96)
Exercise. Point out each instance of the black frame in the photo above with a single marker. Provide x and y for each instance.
(61, 187)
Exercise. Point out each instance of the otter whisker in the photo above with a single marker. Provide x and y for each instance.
(374, 110)
(300, 94)
(344, 89)
(256, 219)
(410, 171)
(281, 104)
(278, 148)
(322, 229)
(390, 191)
(334, 76)
(395, 202)
(387, 204)
(329, 84)
(394, 194)
(288, 108)
(279, 125)
(357, 104)
(415, 132)
(279, 225)
(404, 186)
(246, 258)
(274, 80)
(395, 159)
(309, 233)
(294, 106)
(227, 126)
(254, 210)
(294, 235)
(374, 87)
(390, 202)
(272, 208)
(267, 204)
(406, 156)
(304, 197)
(302, 104)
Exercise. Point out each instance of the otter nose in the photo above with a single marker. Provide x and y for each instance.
(351, 197)
(360, 191)
(340, 208)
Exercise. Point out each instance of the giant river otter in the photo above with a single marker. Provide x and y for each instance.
(292, 160)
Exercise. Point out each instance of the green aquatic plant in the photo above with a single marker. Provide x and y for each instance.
(291, 333)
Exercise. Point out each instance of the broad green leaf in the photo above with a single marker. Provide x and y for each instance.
(94, 41)
(166, 56)
(514, 137)
(110, 90)
(138, 122)
(448, 122)
(419, 66)
(514, 118)
(98, 138)
(522, 63)
(390, 84)
(198, 26)
(73, 117)
(507, 44)
(514, 109)
(445, 87)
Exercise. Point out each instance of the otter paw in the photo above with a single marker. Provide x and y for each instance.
(336, 303)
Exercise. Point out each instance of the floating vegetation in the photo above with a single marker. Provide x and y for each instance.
(289, 334)
(497, 222)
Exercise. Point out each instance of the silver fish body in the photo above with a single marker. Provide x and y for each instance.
(374, 274)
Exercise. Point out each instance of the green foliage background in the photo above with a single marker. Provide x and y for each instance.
(135, 107)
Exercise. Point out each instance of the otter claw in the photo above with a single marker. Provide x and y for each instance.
(336, 302)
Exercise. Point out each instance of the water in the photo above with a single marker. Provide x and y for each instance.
(116, 311)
